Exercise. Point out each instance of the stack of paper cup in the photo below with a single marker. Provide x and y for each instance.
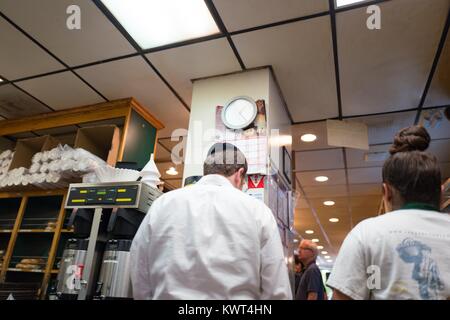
(150, 174)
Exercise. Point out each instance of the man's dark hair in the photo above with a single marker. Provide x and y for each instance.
(224, 159)
(414, 173)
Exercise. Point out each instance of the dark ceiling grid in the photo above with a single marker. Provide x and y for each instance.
(50, 53)
(372, 114)
(223, 29)
(433, 67)
(139, 50)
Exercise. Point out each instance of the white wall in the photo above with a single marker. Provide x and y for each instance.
(278, 118)
(207, 95)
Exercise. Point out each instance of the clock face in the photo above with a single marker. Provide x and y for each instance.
(239, 113)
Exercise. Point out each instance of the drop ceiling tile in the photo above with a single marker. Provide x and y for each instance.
(382, 128)
(368, 189)
(238, 14)
(365, 175)
(302, 58)
(133, 77)
(61, 91)
(319, 160)
(445, 170)
(45, 20)
(335, 177)
(357, 158)
(180, 65)
(317, 128)
(16, 104)
(438, 129)
(441, 149)
(439, 92)
(386, 70)
(19, 57)
(326, 191)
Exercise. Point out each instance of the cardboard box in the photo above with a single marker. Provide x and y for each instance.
(103, 141)
(26, 148)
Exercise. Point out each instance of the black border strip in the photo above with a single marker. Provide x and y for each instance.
(335, 57)
(433, 67)
(216, 16)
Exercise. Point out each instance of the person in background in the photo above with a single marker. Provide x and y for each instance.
(298, 271)
(403, 254)
(311, 286)
(210, 240)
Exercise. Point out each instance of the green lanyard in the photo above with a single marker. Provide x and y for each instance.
(419, 205)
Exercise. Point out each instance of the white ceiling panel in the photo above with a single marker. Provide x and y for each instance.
(243, 14)
(386, 70)
(317, 128)
(356, 157)
(326, 191)
(439, 92)
(437, 129)
(365, 189)
(97, 39)
(19, 57)
(445, 170)
(16, 104)
(382, 128)
(365, 175)
(302, 57)
(61, 91)
(134, 78)
(335, 177)
(180, 65)
(319, 160)
(441, 149)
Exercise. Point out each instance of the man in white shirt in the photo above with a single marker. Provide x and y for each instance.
(210, 240)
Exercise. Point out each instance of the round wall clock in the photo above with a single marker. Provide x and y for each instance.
(239, 113)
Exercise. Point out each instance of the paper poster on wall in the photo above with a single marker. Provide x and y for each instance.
(252, 141)
(255, 186)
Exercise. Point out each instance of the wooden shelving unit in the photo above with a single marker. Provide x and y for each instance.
(23, 214)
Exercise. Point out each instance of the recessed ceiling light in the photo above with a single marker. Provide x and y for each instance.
(295, 240)
(308, 137)
(321, 178)
(315, 240)
(327, 257)
(309, 231)
(334, 220)
(329, 260)
(160, 22)
(324, 252)
(329, 203)
(341, 3)
(320, 247)
(172, 171)
(1, 80)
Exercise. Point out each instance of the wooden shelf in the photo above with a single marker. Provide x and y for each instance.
(35, 231)
(25, 270)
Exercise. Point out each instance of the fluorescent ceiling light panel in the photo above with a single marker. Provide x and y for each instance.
(154, 23)
(341, 3)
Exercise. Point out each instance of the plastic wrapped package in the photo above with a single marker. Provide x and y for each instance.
(37, 158)
(35, 167)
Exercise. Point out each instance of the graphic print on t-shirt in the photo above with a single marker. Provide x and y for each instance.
(425, 270)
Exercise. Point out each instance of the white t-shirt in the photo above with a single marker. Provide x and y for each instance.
(404, 254)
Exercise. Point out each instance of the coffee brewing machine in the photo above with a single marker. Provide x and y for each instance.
(106, 216)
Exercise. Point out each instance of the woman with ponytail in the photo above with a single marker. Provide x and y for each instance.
(405, 253)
